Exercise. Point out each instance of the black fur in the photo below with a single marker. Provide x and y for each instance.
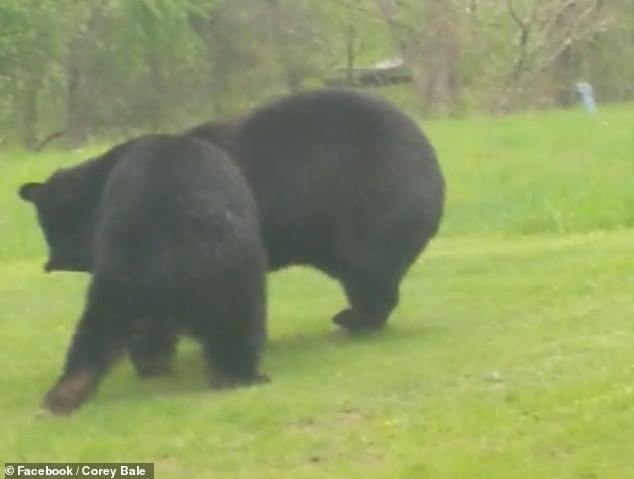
(168, 229)
(344, 182)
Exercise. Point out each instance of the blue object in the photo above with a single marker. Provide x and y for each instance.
(585, 90)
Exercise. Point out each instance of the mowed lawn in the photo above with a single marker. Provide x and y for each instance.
(510, 356)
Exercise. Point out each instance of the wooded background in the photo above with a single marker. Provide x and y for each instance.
(95, 69)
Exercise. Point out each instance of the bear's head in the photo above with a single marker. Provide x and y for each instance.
(66, 206)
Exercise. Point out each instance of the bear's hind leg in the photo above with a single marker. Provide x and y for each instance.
(370, 269)
(232, 357)
(373, 253)
(152, 348)
(372, 298)
(232, 333)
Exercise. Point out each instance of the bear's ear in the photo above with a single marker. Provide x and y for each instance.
(28, 191)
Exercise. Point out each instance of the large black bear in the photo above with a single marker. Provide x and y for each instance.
(344, 182)
(168, 228)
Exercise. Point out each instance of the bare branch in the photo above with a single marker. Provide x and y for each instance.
(514, 15)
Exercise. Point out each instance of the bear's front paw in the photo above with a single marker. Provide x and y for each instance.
(350, 321)
(220, 381)
(261, 379)
(345, 319)
(59, 404)
(69, 394)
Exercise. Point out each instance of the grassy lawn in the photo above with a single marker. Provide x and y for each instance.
(510, 356)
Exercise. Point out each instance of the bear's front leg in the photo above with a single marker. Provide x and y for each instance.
(96, 343)
(70, 392)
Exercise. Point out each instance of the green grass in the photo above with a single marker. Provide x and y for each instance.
(510, 355)
(558, 172)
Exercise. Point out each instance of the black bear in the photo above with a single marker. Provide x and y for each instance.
(168, 228)
(344, 182)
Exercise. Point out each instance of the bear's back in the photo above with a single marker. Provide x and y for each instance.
(175, 176)
(333, 144)
(170, 203)
(331, 117)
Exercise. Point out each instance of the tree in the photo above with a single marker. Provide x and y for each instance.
(550, 38)
(119, 67)
(30, 38)
(428, 42)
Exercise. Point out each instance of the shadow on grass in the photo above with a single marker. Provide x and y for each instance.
(288, 357)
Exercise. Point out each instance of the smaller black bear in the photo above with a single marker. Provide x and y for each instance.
(168, 229)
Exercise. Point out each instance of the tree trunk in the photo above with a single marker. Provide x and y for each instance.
(81, 87)
(293, 79)
(30, 112)
(350, 50)
(564, 77)
(431, 52)
(77, 118)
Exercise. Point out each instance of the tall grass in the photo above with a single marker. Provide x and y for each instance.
(556, 172)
